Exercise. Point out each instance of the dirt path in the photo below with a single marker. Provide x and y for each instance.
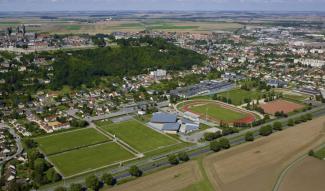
(308, 174)
(255, 166)
(171, 179)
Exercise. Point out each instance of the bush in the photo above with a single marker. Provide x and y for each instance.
(309, 116)
(215, 146)
(249, 136)
(212, 136)
(297, 120)
(224, 143)
(60, 189)
(277, 126)
(183, 156)
(265, 130)
(173, 160)
(135, 171)
(75, 187)
(229, 130)
(291, 122)
(311, 153)
(108, 179)
(92, 182)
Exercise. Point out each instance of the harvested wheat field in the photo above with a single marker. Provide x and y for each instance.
(307, 174)
(171, 179)
(256, 166)
(280, 106)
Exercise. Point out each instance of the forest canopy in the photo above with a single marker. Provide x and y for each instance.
(132, 57)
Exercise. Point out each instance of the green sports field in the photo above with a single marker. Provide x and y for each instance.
(217, 112)
(89, 158)
(139, 136)
(238, 96)
(65, 141)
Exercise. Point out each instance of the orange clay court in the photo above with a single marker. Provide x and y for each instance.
(280, 105)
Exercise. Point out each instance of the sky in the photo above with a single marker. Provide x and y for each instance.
(201, 5)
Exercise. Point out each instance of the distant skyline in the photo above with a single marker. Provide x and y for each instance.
(200, 5)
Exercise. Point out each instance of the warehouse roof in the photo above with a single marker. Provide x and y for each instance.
(161, 117)
(171, 127)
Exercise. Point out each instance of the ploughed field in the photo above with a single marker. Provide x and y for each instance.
(256, 166)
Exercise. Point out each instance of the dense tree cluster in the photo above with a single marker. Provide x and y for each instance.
(42, 171)
(134, 56)
(266, 130)
(78, 123)
(217, 145)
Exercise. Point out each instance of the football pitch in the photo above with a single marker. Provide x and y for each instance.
(139, 136)
(238, 96)
(218, 112)
(89, 158)
(66, 141)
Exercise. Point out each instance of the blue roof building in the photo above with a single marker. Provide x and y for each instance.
(161, 117)
(171, 127)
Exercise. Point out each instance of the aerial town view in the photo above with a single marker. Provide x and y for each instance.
(162, 95)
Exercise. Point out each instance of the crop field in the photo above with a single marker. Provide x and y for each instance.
(66, 26)
(238, 96)
(241, 167)
(138, 136)
(308, 174)
(65, 141)
(177, 178)
(73, 27)
(216, 111)
(280, 105)
(89, 158)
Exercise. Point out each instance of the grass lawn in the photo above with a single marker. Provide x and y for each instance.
(299, 98)
(89, 158)
(60, 142)
(238, 96)
(217, 112)
(138, 136)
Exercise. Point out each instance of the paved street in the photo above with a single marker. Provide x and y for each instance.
(18, 143)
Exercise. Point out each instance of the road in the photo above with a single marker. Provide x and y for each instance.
(18, 143)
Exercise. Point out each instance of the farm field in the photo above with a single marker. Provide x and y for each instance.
(66, 26)
(139, 136)
(89, 158)
(307, 174)
(238, 96)
(280, 105)
(69, 140)
(172, 179)
(240, 168)
(216, 111)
